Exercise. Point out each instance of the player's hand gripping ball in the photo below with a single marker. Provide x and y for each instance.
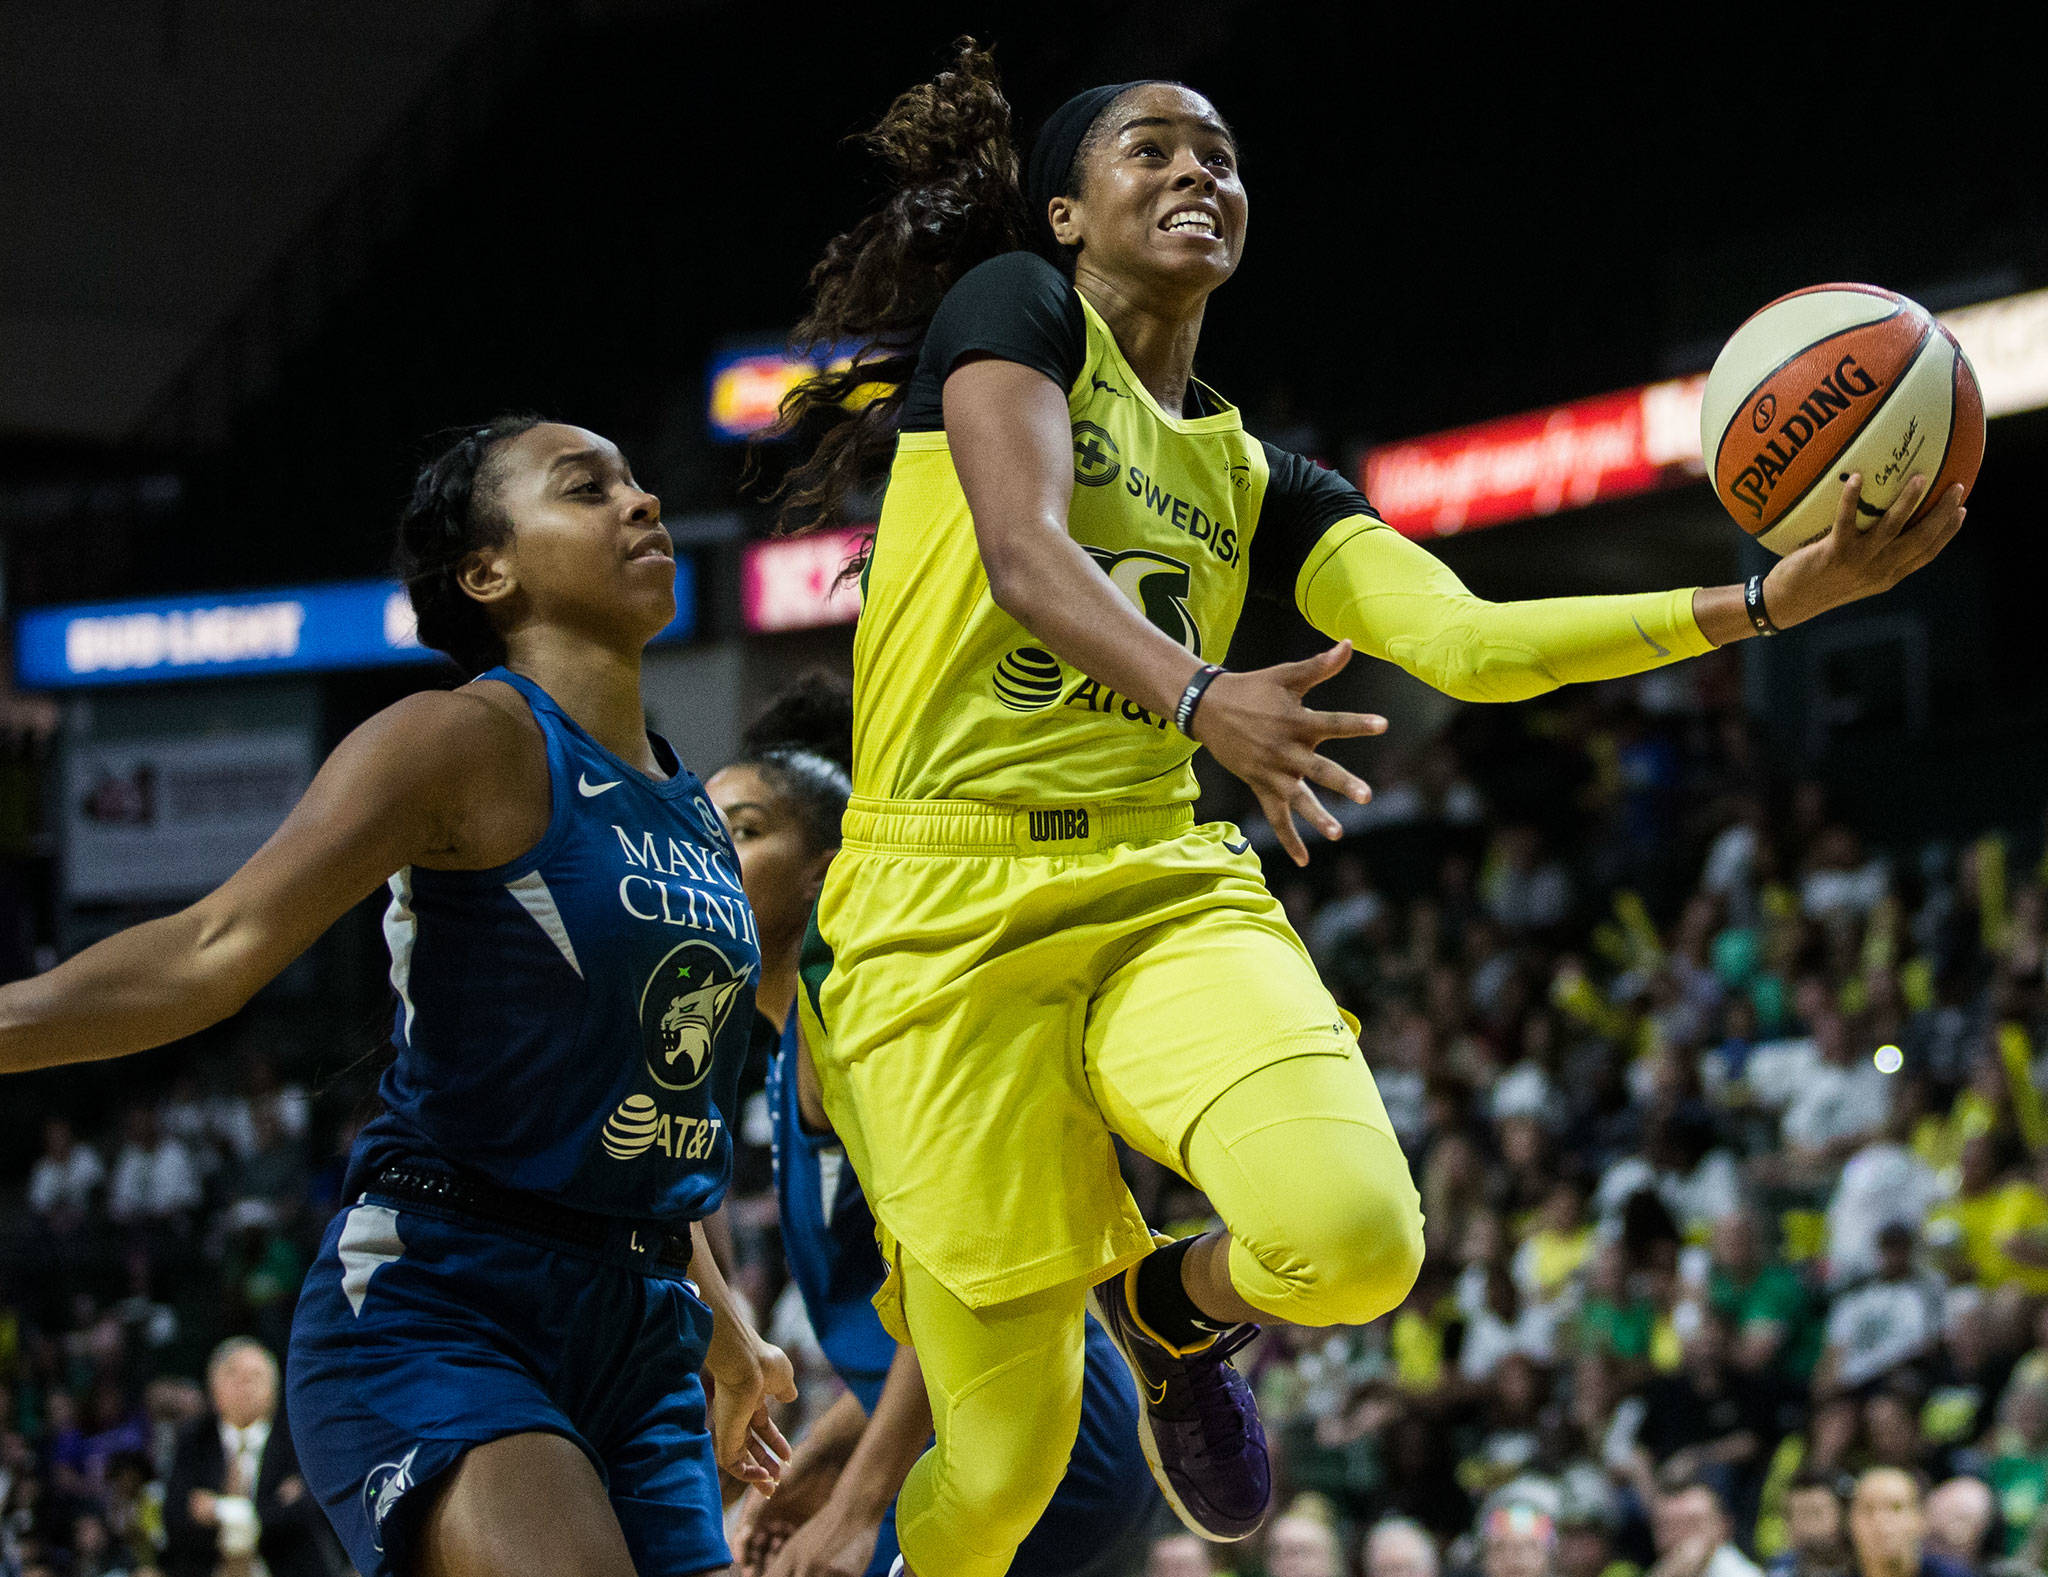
(1828, 382)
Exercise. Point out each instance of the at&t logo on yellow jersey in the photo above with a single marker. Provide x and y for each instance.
(1030, 679)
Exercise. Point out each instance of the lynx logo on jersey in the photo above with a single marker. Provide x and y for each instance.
(684, 1005)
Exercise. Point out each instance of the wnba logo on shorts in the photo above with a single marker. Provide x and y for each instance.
(1058, 826)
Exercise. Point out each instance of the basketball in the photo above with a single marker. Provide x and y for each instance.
(1826, 381)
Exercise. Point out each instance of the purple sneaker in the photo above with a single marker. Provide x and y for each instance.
(1198, 1423)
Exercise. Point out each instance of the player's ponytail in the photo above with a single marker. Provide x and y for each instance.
(803, 746)
(452, 512)
(954, 201)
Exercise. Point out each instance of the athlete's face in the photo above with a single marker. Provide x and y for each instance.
(778, 867)
(1161, 200)
(587, 549)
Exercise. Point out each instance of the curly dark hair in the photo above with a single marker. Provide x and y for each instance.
(955, 201)
(803, 746)
(452, 512)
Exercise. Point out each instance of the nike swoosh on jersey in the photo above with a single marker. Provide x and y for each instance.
(1238, 848)
(590, 790)
(1651, 640)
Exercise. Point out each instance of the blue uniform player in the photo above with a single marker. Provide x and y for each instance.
(494, 1370)
(783, 802)
(569, 1032)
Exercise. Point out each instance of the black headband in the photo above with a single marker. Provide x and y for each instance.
(1053, 150)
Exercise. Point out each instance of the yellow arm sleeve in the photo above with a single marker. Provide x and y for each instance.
(1368, 584)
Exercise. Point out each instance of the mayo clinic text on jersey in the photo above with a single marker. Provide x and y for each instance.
(688, 901)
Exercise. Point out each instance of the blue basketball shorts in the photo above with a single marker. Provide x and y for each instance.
(420, 1334)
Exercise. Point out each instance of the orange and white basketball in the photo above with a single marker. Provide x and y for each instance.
(1827, 381)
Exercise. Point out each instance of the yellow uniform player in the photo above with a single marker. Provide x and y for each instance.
(1027, 945)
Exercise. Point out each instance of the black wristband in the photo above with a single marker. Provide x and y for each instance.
(1191, 697)
(1753, 605)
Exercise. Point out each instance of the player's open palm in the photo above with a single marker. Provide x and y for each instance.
(1260, 727)
(1852, 562)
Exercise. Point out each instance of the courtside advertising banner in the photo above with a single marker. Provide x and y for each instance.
(172, 817)
(286, 629)
(800, 583)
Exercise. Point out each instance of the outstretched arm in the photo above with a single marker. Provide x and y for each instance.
(425, 780)
(1367, 584)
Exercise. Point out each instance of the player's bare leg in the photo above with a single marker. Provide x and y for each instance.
(526, 1505)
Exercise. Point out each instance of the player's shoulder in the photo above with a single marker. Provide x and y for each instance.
(1019, 275)
(1303, 502)
(472, 731)
(1015, 296)
(1302, 481)
(481, 710)
(1012, 307)
(472, 764)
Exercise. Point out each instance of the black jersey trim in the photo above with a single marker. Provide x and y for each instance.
(1016, 307)
(1303, 502)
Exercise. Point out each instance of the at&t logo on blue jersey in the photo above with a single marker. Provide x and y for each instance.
(684, 1008)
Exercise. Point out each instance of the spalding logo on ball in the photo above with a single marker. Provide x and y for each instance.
(1830, 380)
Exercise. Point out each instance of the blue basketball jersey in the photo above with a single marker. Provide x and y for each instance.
(828, 1236)
(573, 1024)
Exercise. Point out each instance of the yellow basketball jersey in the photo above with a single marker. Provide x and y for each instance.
(955, 700)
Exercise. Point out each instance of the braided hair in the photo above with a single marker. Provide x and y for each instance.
(803, 747)
(454, 511)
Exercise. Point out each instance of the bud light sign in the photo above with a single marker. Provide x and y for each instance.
(301, 629)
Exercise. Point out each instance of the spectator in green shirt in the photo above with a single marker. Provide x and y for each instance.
(2018, 1467)
(1615, 1320)
(1766, 1302)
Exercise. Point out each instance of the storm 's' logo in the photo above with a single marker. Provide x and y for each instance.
(688, 1000)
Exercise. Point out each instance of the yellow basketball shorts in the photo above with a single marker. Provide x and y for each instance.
(992, 991)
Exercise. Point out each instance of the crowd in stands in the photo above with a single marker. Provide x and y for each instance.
(1727, 1117)
(147, 1278)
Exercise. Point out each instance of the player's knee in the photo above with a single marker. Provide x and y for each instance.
(1002, 1493)
(1356, 1252)
(996, 1474)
